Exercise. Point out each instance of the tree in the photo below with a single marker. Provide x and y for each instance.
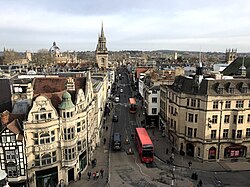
(42, 57)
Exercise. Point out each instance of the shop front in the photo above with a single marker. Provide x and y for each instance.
(47, 177)
(83, 160)
(235, 151)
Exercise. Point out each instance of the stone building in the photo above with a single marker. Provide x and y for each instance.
(60, 130)
(208, 117)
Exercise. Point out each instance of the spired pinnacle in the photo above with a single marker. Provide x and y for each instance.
(102, 32)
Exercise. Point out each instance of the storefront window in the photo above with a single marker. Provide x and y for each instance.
(212, 153)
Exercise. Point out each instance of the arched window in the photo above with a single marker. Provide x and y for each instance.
(46, 159)
(212, 153)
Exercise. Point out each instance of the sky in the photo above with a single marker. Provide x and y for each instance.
(190, 25)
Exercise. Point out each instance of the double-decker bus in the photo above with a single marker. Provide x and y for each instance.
(144, 145)
(132, 105)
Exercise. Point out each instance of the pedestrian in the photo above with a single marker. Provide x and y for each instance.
(200, 183)
(189, 164)
(167, 151)
(153, 132)
(89, 174)
(107, 128)
(172, 155)
(172, 149)
(94, 175)
(79, 175)
(104, 141)
(93, 163)
(97, 174)
(138, 115)
(101, 172)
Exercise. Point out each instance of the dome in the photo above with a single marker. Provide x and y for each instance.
(66, 102)
(54, 48)
(66, 95)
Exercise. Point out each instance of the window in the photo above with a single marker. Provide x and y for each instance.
(215, 105)
(244, 89)
(225, 133)
(228, 104)
(214, 118)
(196, 118)
(69, 133)
(12, 171)
(78, 126)
(213, 134)
(231, 90)
(12, 138)
(195, 132)
(193, 102)
(199, 151)
(198, 103)
(190, 117)
(46, 159)
(70, 154)
(235, 119)
(239, 133)
(248, 132)
(154, 99)
(190, 132)
(248, 104)
(154, 110)
(240, 119)
(220, 90)
(44, 138)
(187, 102)
(226, 118)
(248, 118)
(79, 146)
(239, 104)
(10, 155)
(233, 133)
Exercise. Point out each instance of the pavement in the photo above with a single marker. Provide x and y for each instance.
(101, 154)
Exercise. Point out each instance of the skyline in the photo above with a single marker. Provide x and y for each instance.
(128, 25)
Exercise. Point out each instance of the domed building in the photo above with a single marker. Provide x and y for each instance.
(61, 58)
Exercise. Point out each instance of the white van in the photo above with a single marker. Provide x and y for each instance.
(117, 99)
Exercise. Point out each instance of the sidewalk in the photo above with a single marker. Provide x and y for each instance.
(101, 154)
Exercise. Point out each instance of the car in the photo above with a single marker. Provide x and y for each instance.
(121, 90)
(117, 99)
(115, 118)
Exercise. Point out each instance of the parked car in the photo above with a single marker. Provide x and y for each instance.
(115, 118)
(121, 90)
(117, 99)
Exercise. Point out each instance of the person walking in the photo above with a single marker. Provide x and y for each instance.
(189, 164)
(94, 175)
(97, 174)
(104, 141)
(101, 172)
(79, 175)
(107, 128)
(89, 175)
(153, 132)
(167, 151)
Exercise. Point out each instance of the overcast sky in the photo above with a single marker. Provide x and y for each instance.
(209, 25)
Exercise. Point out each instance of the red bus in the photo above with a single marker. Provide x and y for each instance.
(144, 145)
(132, 105)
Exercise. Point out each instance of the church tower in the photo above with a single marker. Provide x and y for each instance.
(101, 52)
(231, 55)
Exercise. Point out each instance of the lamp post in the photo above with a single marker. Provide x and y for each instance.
(218, 154)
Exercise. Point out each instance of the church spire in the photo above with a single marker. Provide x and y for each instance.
(102, 32)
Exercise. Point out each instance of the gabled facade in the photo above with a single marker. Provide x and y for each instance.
(60, 130)
(13, 160)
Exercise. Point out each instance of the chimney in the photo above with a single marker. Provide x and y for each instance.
(5, 117)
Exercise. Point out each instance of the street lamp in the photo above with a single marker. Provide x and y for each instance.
(218, 155)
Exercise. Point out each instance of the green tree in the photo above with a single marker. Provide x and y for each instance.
(42, 57)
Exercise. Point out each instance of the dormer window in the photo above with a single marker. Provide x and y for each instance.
(220, 90)
(231, 90)
(244, 89)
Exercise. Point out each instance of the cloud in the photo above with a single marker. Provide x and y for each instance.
(27, 24)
